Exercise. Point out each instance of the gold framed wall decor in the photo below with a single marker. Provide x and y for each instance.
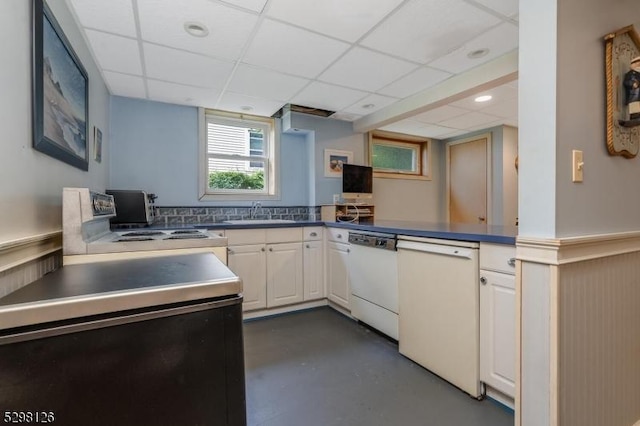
(623, 125)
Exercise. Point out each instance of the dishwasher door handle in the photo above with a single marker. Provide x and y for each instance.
(462, 252)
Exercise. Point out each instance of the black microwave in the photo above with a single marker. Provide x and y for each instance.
(133, 207)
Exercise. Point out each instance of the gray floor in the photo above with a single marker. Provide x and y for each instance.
(318, 367)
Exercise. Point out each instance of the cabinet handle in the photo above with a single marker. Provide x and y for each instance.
(270, 249)
(483, 281)
(314, 234)
(511, 262)
(308, 246)
(339, 235)
(262, 249)
(348, 250)
(229, 251)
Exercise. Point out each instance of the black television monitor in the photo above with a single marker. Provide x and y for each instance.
(357, 181)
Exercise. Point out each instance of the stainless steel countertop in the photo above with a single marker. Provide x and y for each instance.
(105, 287)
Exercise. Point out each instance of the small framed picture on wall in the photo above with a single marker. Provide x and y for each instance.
(97, 144)
(333, 161)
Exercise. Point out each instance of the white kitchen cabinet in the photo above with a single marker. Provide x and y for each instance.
(270, 263)
(313, 260)
(498, 319)
(249, 262)
(338, 273)
(284, 274)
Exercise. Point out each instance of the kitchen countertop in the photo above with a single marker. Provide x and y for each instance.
(105, 287)
(449, 231)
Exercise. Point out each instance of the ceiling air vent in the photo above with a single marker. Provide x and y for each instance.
(303, 110)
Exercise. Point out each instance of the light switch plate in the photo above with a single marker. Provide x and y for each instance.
(578, 166)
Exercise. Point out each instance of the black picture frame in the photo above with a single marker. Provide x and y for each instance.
(60, 93)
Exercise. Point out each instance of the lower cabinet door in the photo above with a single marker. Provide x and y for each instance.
(249, 263)
(498, 331)
(284, 274)
(338, 274)
(313, 269)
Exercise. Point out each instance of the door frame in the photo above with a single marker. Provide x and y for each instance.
(488, 183)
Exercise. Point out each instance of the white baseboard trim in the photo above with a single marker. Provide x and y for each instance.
(559, 251)
(24, 250)
(283, 309)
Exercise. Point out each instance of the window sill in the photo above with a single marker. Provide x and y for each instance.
(400, 176)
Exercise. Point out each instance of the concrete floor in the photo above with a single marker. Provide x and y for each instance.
(318, 367)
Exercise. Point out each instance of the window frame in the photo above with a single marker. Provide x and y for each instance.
(422, 144)
(271, 189)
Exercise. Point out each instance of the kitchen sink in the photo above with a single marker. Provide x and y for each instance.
(257, 221)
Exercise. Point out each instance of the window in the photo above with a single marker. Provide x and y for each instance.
(238, 156)
(395, 155)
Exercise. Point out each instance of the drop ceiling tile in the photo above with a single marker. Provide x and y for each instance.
(346, 20)
(370, 104)
(406, 126)
(505, 109)
(327, 96)
(439, 114)
(229, 28)
(177, 66)
(366, 70)
(181, 94)
(487, 125)
(469, 120)
(499, 94)
(263, 83)
(254, 5)
(503, 7)
(235, 102)
(344, 116)
(125, 85)
(412, 127)
(499, 40)
(115, 53)
(418, 80)
(114, 16)
(292, 50)
(423, 30)
(453, 134)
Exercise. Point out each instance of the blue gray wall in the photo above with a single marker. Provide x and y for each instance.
(154, 147)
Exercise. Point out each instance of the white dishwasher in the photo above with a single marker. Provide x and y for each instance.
(439, 308)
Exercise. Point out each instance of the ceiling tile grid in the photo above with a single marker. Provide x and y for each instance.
(354, 57)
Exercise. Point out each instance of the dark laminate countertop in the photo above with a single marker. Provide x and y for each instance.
(449, 231)
(104, 287)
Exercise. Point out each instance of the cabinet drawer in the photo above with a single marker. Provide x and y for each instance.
(246, 236)
(312, 233)
(338, 235)
(284, 235)
(498, 257)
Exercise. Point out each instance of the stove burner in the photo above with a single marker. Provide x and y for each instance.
(142, 233)
(185, 236)
(186, 231)
(122, 240)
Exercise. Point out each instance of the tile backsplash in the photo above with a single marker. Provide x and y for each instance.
(171, 216)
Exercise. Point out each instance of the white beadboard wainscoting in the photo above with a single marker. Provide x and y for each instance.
(28, 259)
(579, 331)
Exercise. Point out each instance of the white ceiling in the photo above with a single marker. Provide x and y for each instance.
(354, 57)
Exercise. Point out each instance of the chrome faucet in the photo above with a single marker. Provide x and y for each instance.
(255, 205)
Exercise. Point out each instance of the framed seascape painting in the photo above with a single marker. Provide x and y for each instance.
(333, 161)
(60, 93)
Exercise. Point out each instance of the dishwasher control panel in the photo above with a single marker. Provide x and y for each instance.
(374, 240)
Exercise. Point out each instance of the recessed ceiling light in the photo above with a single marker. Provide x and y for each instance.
(196, 29)
(479, 53)
(246, 108)
(368, 106)
(483, 98)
